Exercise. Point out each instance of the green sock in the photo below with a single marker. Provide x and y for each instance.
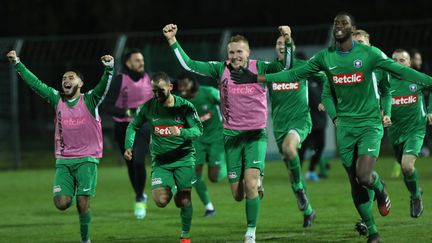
(186, 220)
(411, 182)
(252, 211)
(222, 172)
(308, 210)
(363, 203)
(295, 169)
(201, 189)
(85, 220)
(377, 185)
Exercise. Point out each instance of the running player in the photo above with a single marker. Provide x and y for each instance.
(291, 121)
(408, 129)
(78, 135)
(352, 100)
(174, 123)
(129, 90)
(209, 147)
(244, 113)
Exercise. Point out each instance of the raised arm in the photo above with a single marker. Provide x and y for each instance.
(95, 96)
(209, 69)
(49, 94)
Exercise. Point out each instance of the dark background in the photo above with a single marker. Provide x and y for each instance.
(43, 17)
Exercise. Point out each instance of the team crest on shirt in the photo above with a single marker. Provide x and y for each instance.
(205, 107)
(413, 87)
(358, 63)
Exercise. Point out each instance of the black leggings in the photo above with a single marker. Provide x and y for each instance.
(136, 166)
(316, 142)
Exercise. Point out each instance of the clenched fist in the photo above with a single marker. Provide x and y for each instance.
(170, 31)
(285, 31)
(107, 61)
(12, 56)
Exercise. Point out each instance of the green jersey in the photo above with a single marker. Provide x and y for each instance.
(408, 109)
(166, 149)
(213, 69)
(351, 94)
(206, 103)
(92, 99)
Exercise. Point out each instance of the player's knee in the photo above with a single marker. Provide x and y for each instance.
(213, 175)
(161, 202)
(407, 168)
(365, 180)
(62, 203)
(237, 196)
(289, 152)
(182, 199)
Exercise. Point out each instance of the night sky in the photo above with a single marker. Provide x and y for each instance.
(42, 17)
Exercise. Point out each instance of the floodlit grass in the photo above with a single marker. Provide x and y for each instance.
(28, 214)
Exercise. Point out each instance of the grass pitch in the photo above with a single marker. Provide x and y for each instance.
(28, 214)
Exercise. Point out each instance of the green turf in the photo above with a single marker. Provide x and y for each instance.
(28, 214)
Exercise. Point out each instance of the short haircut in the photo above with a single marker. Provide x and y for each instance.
(361, 33)
(127, 55)
(238, 38)
(156, 77)
(191, 77)
(78, 73)
(353, 22)
(400, 50)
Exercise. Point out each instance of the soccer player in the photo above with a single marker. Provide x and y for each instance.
(129, 90)
(244, 113)
(291, 122)
(174, 123)
(209, 147)
(78, 135)
(352, 100)
(408, 129)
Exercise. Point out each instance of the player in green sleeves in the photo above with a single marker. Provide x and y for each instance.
(352, 100)
(408, 129)
(291, 120)
(209, 147)
(174, 122)
(78, 136)
(244, 114)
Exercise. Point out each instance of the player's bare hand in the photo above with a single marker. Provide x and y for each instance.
(386, 121)
(170, 31)
(128, 154)
(285, 31)
(12, 56)
(429, 118)
(321, 107)
(174, 130)
(107, 61)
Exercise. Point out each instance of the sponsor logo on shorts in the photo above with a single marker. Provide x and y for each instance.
(349, 78)
(256, 161)
(156, 181)
(232, 175)
(404, 100)
(86, 189)
(193, 182)
(164, 131)
(371, 150)
(409, 150)
(285, 86)
(57, 189)
(206, 117)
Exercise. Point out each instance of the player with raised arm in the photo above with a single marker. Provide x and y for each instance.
(78, 135)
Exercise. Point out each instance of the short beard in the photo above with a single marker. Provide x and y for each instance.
(162, 99)
(72, 94)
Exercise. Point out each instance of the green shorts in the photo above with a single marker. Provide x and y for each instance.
(213, 153)
(75, 179)
(247, 150)
(181, 177)
(301, 132)
(412, 145)
(358, 140)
